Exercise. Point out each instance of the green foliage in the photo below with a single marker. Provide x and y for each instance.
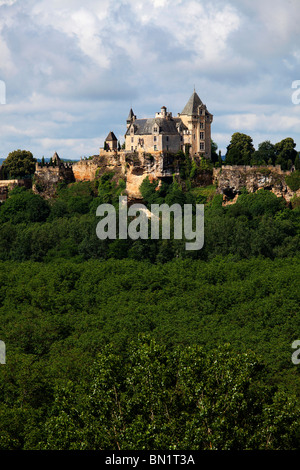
(286, 153)
(293, 180)
(266, 154)
(24, 206)
(214, 153)
(59, 318)
(80, 373)
(165, 193)
(156, 399)
(19, 163)
(240, 150)
(259, 203)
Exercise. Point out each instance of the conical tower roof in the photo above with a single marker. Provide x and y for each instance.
(192, 105)
(130, 115)
(55, 157)
(111, 137)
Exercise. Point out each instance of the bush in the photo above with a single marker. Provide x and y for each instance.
(293, 180)
(24, 206)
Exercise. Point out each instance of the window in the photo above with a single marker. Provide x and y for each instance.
(131, 139)
(201, 145)
(194, 136)
(132, 148)
(167, 147)
(167, 138)
(201, 125)
(154, 138)
(154, 129)
(201, 135)
(155, 147)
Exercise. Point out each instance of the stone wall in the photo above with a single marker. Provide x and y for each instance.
(8, 185)
(136, 166)
(231, 180)
(47, 177)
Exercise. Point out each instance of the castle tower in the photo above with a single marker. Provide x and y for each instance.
(55, 159)
(111, 141)
(198, 121)
(131, 118)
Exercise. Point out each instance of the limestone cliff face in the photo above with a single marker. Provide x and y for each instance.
(136, 166)
(46, 178)
(142, 165)
(230, 181)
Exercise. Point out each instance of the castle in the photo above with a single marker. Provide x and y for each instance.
(191, 129)
(151, 148)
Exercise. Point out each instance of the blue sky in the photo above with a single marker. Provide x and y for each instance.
(73, 69)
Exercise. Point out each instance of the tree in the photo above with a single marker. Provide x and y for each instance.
(154, 398)
(214, 154)
(240, 150)
(266, 153)
(293, 180)
(24, 206)
(19, 163)
(285, 151)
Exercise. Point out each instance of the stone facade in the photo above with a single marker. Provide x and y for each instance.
(165, 133)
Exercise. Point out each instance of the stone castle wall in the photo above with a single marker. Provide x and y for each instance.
(231, 180)
(8, 185)
(136, 166)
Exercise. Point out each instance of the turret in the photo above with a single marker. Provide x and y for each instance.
(131, 118)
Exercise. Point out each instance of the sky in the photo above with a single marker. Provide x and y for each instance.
(70, 70)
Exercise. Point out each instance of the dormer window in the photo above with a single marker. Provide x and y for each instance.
(154, 129)
(132, 130)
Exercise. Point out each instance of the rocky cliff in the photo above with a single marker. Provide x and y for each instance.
(135, 167)
(231, 180)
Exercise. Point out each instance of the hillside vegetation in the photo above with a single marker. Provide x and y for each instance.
(122, 344)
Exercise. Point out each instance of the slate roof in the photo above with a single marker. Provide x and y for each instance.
(111, 137)
(130, 115)
(145, 126)
(192, 105)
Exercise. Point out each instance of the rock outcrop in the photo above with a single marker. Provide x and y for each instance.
(136, 166)
(231, 180)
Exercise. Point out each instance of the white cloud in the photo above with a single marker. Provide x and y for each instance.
(7, 2)
(74, 69)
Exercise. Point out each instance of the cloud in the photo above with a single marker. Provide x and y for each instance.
(72, 69)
